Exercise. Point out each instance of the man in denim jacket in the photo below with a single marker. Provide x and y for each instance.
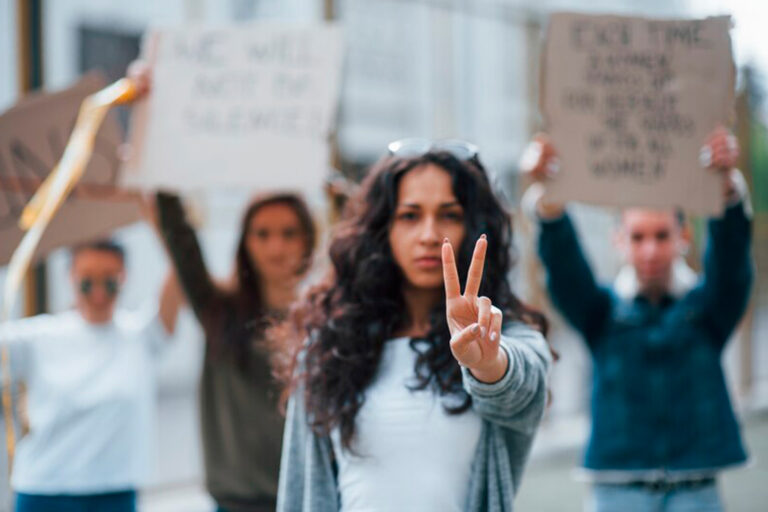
(662, 423)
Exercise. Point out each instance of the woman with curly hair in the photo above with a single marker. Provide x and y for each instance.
(407, 393)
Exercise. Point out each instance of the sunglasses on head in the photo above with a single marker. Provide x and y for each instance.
(460, 149)
(408, 148)
(111, 285)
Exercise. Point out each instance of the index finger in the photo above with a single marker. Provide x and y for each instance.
(450, 273)
(475, 275)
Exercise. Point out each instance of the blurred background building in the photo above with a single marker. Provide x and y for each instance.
(426, 68)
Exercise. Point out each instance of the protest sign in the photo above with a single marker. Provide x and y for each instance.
(33, 135)
(629, 102)
(244, 106)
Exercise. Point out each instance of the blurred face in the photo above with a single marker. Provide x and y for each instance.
(97, 277)
(651, 241)
(276, 242)
(427, 212)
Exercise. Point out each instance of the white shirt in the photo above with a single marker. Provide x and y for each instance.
(410, 455)
(91, 396)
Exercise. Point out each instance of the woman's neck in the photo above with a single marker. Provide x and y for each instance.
(278, 295)
(419, 303)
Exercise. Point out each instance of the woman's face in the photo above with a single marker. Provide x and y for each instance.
(427, 211)
(276, 242)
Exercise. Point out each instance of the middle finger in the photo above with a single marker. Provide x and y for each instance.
(483, 305)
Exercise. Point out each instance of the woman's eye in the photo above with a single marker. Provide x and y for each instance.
(290, 234)
(407, 216)
(454, 216)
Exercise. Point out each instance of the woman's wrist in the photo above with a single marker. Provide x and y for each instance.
(494, 370)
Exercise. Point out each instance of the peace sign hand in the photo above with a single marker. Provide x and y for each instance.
(474, 323)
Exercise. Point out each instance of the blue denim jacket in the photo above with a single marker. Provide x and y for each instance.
(659, 397)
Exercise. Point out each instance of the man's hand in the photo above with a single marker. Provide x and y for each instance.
(720, 153)
(541, 163)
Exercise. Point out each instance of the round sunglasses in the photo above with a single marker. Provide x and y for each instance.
(111, 285)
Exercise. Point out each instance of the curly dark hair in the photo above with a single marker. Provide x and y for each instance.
(347, 319)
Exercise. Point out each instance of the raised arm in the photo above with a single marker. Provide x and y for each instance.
(570, 281)
(166, 213)
(171, 300)
(185, 253)
(728, 267)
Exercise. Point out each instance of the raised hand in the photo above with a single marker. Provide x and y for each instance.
(721, 152)
(541, 163)
(141, 74)
(474, 323)
(540, 160)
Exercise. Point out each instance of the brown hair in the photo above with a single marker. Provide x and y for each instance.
(243, 295)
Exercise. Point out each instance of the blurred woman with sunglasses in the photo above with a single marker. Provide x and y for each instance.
(423, 377)
(241, 424)
(90, 391)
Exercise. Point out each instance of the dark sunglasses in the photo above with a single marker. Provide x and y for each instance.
(408, 148)
(111, 285)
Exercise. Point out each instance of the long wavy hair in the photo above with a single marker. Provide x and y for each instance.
(347, 319)
(246, 319)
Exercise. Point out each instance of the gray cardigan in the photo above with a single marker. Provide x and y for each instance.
(510, 408)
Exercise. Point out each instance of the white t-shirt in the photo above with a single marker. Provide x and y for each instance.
(91, 399)
(410, 455)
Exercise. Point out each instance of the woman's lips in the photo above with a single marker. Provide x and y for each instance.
(429, 262)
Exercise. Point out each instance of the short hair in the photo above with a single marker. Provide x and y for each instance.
(102, 244)
(678, 213)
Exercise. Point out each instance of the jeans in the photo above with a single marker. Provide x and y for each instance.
(124, 501)
(624, 498)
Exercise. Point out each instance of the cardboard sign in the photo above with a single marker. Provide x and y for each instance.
(33, 135)
(629, 102)
(244, 106)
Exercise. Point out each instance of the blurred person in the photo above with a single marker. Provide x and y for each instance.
(663, 426)
(241, 424)
(91, 389)
(408, 394)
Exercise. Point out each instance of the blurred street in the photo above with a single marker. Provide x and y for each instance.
(550, 486)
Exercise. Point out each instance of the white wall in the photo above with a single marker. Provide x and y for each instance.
(8, 54)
